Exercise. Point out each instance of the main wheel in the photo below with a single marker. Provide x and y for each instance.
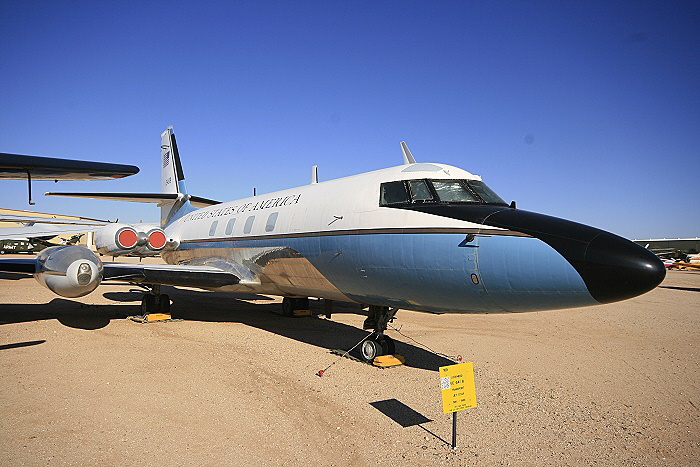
(165, 304)
(287, 309)
(148, 304)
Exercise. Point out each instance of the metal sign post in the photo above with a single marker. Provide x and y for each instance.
(454, 430)
(458, 391)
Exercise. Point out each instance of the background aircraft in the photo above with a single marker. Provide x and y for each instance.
(21, 167)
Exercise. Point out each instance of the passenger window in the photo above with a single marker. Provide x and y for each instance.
(420, 191)
(248, 225)
(453, 191)
(212, 229)
(229, 226)
(271, 221)
(393, 193)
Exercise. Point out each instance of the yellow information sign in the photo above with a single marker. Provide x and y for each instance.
(458, 387)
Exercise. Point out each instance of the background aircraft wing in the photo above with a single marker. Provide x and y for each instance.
(16, 167)
(46, 230)
(49, 220)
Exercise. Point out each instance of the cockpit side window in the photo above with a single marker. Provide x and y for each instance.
(420, 191)
(393, 193)
(485, 193)
(453, 191)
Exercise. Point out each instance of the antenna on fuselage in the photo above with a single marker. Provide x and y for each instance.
(314, 174)
(407, 156)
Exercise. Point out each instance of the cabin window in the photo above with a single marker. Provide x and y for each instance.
(212, 228)
(419, 191)
(229, 226)
(393, 193)
(248, 225)
(271, 221)
(453, 191)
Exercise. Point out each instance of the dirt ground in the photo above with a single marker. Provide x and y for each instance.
(234, 383)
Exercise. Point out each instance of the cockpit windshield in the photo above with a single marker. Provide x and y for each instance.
(407, 192)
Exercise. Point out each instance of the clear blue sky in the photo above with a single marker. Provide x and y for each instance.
(584, 110)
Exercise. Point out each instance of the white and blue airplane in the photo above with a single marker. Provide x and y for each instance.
(420, 236)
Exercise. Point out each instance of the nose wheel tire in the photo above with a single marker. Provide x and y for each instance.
(375, 346)
(390, 346)
(370, 350)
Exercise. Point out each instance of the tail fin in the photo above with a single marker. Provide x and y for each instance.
(173, 199)
(172, 180)
(172, 177)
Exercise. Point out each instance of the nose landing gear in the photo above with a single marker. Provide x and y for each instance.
(378, 344)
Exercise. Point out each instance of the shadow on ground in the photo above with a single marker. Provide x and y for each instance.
(687, 289)
(193, 305)
(68, 312)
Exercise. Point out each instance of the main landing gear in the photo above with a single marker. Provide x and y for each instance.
(295, 306)
(155, 302)
(377, 343)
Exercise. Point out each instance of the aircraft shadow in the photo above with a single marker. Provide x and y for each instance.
(687, 289)
(18, 345)
(193, 305)
(13, 276)
(68, 312)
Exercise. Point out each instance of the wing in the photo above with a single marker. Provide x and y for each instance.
(17, 167)
(170, 274)
(163, 274)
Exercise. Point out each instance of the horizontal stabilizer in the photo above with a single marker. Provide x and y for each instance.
(17, 166)
(158, 198)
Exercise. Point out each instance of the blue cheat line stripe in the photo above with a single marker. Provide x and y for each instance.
(433, 272)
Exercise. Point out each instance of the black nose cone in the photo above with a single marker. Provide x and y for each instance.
(615, 268)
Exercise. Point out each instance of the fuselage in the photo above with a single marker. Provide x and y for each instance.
(362, 239)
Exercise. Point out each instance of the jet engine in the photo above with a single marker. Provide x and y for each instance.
(123, 239)
(69, 271)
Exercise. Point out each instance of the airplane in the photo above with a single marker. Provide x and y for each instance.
(34, 244)
(419, 236)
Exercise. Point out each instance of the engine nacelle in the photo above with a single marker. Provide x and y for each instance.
(123, 239)
(69, 271)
